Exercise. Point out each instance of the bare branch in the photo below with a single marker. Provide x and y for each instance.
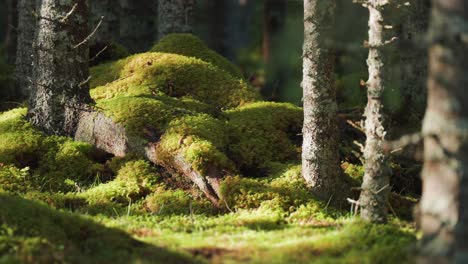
(90, 35)
(67, 16)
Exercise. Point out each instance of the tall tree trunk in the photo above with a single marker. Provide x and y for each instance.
(320, 157)
(137, 24)
(24, 53)
(217, 28)
(175, 16)
(61, 71)
(414, 61)
(274, 16)
(444, 203)
(109, 30)
(375, 186)
(10, 41)
(274, 19)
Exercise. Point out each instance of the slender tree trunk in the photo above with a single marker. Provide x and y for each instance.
(320, 158)
(24, 53)
(217, 28)
(137, 24)
(274, 16)
(61, 71)
(375, 187)
(10, 41)
(175, 16)
(444, 203)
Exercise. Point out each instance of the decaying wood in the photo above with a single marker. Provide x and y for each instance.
(101, 131)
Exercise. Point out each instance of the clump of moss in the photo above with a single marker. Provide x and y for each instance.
(14, 180)
(134, 180)
(191, 46)
(264, 132)
(201, 139)
(155, 74)
(285, 190)
(354, 171)
(56, 163)
(19, 142)
(168, 202)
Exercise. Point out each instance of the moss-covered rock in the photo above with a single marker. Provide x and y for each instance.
(191, 46)
(100, 53)
(156, 74)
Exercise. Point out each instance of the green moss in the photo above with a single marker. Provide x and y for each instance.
(134, 180)
(354, 171)
(57, 163)
(201, 139)
(155, 74)
(33, 233)
(14, 180)
(177, 202)
(191, 46)
(263, 132)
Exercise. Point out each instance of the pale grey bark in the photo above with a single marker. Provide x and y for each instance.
(109, 12)
(320, 157)
(10, 40)
(175, 16)
(137, 24)
(375, 187)
(24, 52)
(444, 203)
(60, 90)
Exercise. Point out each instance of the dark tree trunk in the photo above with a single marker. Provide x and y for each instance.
(10, 41)
(218, 23)
(175, 16)
(24, 53)
(414, 61)
(320, 157)
(444, 203)
(137, 24)
(274, 16)
(61, 71)
(375, 187)
(109, 30)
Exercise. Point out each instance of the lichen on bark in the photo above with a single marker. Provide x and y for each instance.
(320, 158)
(60, 74)
(375, 187)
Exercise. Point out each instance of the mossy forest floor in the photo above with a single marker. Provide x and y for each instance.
(63, 201)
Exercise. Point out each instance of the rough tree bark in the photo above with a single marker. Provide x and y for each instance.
(137, 24)
(175, 16)
(320, 157)
(24, 51)
(375, 187)
(444, 203)
(10, 40)
(60, 74)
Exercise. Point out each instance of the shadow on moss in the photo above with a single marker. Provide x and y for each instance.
(34, 233)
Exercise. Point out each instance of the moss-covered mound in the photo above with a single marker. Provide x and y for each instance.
(191, 46)
(29, 158)
(33, 233)
(156, 74)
